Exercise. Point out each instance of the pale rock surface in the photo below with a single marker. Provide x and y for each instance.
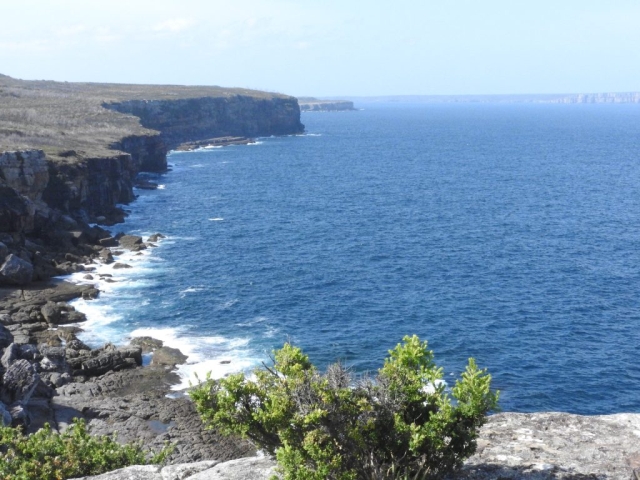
(250, 468)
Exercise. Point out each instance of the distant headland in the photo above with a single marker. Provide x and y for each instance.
(311, 104)
(563, 98)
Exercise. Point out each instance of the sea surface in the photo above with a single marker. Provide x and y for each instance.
(510, 233)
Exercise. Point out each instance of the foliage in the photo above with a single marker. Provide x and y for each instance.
(47, 455)
(401, 424)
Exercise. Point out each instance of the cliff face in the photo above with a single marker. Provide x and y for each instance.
(23, 178)
(149, 152)
(192, 119)
(94, 185)
(25, 171)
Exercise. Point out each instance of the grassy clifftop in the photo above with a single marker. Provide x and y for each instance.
(69, 120)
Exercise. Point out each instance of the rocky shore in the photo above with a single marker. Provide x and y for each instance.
(70, 154)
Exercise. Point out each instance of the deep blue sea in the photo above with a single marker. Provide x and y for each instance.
(510, 233)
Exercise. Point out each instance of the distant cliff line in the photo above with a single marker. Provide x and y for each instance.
(561, 98)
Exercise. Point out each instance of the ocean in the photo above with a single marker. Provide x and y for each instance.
(508, 233)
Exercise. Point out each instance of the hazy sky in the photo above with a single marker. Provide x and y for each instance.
(330, 47)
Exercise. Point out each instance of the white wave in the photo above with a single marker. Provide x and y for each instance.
(161, 187)
(209, 147)
(255, 143)
(216, 219)
(192, 290)
(216, 355)
(252, 322)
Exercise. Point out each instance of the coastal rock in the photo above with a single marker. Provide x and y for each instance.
(108, 242)
(54, 359)
(130, 242)
(250, 468)
(106, 257)
(107, 359)
(155, 237)
(554, 446)
(147, 344)
(51, 312)
(10, 355)
(4, 251)
(168, 356)
(19, 415)
(19, 382)
(16, 271)
(118, 266)
(91, 293)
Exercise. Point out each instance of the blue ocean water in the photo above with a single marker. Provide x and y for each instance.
(510, 233)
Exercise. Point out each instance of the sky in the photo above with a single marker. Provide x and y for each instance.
(330, 47)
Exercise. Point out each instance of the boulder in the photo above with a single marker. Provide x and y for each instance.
(109, 358)
(147, 344)
(72, 316)
(155, 237)
(106, 257)
(91, 293)
(168, 356)
(19, 415)
(51, 312)
(118, 266)
(130, 242)
(4, 251)
(54, 359)
(108, 242)
(19, 382)
(16, 271)
(10, 355)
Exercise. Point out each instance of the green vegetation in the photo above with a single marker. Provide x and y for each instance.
(401, 424)
(46, 455)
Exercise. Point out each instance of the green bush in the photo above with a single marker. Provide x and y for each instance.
(47, 455)
(403, 423)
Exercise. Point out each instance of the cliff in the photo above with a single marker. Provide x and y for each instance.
(70, 152)
(193, 119)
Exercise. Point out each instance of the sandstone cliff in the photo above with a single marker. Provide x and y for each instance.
(188, 120)
(70, 152)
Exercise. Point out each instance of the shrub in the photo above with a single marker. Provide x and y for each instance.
(403, 423)
(47, 455)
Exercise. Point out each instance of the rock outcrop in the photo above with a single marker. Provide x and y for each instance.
(511, 446)
(250, 468)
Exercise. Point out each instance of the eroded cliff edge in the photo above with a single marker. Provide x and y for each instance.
(70, 153)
